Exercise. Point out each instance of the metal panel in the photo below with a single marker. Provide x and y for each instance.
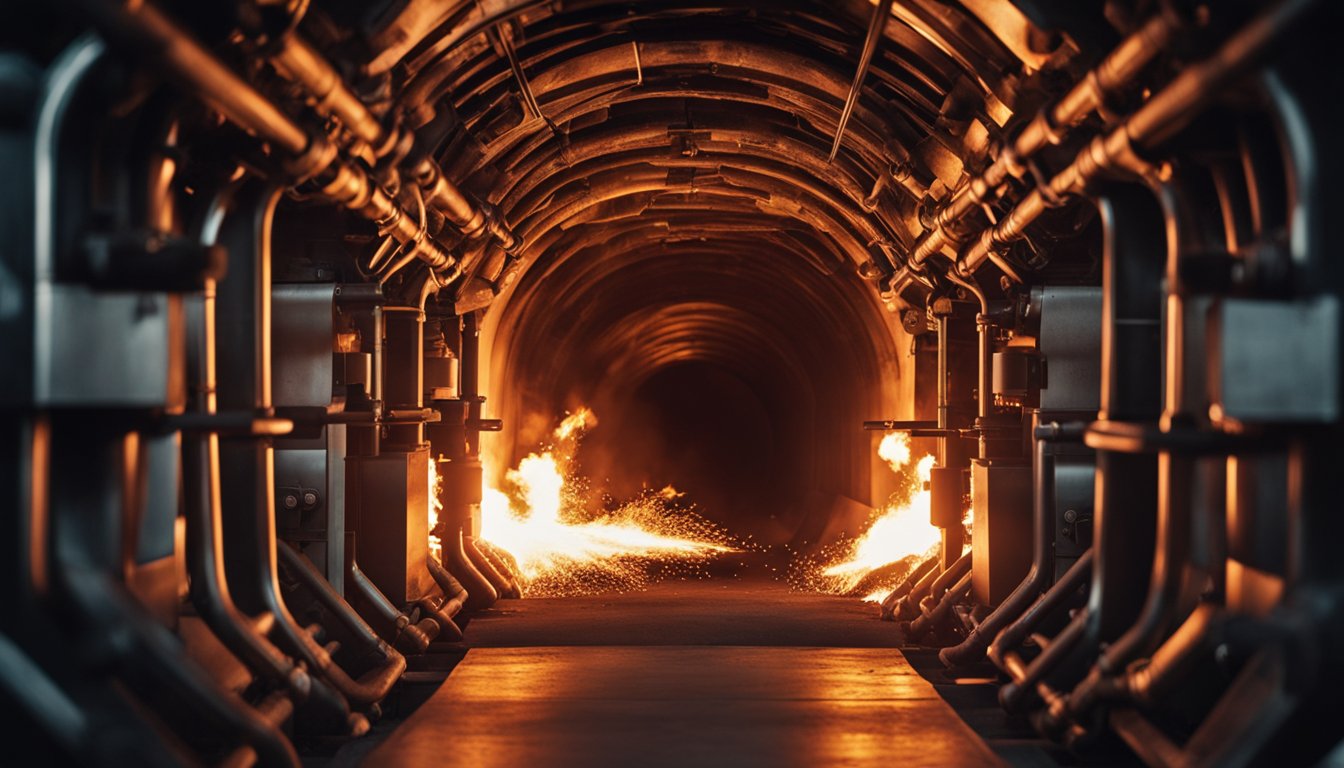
(1070, 337)
(302, 328)
(78, 366)
(1001, 497)
(389, 505)
(1275, 360)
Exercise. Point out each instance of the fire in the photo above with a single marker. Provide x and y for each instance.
(575, 423)
(435, 507)
(540, 522)
(896, 539)
(895, 450)
(900, 531)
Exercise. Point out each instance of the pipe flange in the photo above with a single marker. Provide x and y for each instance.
(318, 156)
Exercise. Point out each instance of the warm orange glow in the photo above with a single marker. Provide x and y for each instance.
(541, 522)
(896, 538)
(895, 450)
(899, 531)
(435, 507)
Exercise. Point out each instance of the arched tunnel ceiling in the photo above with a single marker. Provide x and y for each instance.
(676, 198)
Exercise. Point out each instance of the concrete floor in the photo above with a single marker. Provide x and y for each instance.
(728, 671)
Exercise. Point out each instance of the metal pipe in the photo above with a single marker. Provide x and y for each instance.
(984, 397)
(142, 27)
(1170, 110)
(297, 60)
(876, 26)
(889, 603)
(1043, 549)
(1015, 634)
(516, 67)
(1052, 126)
(406, 637)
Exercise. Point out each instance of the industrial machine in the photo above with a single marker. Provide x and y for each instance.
(272, 272)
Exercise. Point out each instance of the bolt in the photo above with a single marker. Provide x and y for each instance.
(310, 498)
(291, 501)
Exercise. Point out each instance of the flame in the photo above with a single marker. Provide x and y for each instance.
(897, 537)
(435, 507)
(576, 423)
(539, 523)
(895, 450)
(899, 532)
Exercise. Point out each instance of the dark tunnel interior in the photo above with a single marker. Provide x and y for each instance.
(722, 370)
(560, 383)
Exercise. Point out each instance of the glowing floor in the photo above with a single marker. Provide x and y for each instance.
(726, 671)
(683, 706)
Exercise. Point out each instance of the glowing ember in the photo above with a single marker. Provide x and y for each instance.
(540, 521)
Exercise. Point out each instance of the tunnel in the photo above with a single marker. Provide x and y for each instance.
(512, 383)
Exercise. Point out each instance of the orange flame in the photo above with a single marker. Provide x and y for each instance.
(896, 538)
(900, 531)
(557, 553)
(435, 507)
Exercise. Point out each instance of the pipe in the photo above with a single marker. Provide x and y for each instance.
(932, 616)
(985, 397)
(142, 27)
(973, 648)
(1170, 110)
(296, 59)
(1052, 126)
(502, 582)
(876, 27)
(907, 608)
(1166, 113)
(1012, 636)
(1015, 695)
(892, 600)
(374, 685)
(406, 637)
(455, 595)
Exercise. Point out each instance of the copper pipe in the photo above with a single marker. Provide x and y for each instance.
(1166, 113)
(1053, 125)
(1170, 110)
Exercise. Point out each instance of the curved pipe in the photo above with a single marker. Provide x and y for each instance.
(893, 598)
(1005, 645)
(977, 641)
(373, 685)
(407, 637)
